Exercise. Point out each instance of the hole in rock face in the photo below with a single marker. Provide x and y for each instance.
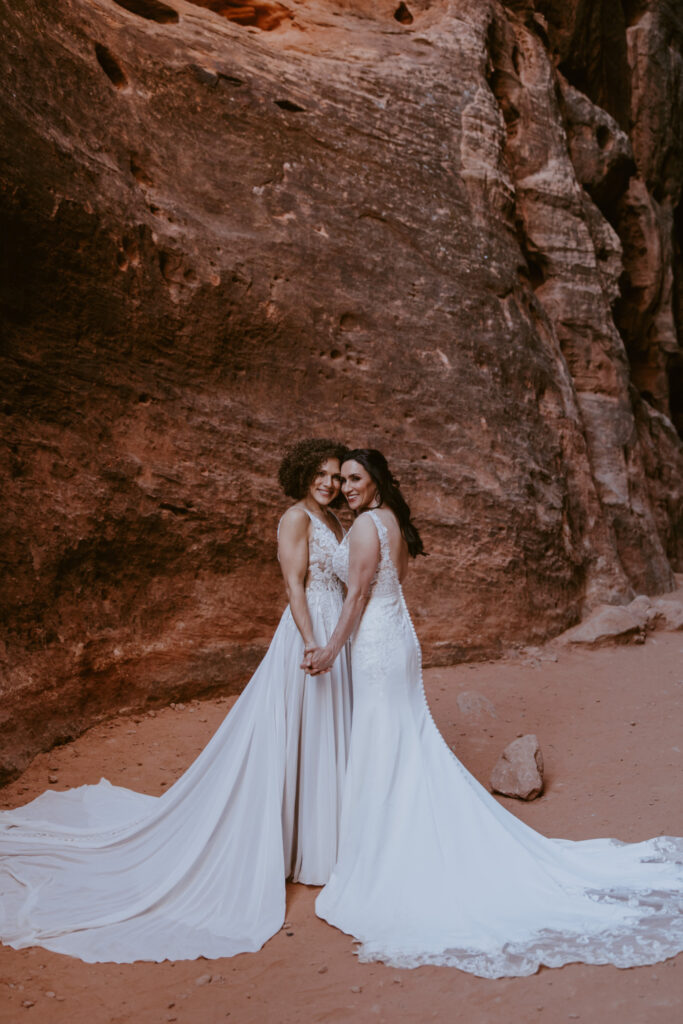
(263, 14)
(153, 10)
(288, 105)
(110, 66)
(402, 14)
(602, 135)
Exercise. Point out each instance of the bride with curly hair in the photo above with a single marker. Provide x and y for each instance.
(107, 874)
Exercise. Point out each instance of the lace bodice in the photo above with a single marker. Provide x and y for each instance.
(385, 581)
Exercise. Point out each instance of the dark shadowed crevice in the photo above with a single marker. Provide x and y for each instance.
(588, 42)
(110, 66)
(152, 10)
(634, 10)
(675, 367)
(294, 108)
(402, 15)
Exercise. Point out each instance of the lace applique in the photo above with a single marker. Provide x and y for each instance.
(322, 547)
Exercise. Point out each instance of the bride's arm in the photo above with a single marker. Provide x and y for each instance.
(364, 555)
(292, 549)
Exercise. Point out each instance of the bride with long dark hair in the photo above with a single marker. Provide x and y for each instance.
(431, 869)
(104, 873)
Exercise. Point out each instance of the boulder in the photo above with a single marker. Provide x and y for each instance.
(609, 624)
(519, 770)
(669, 613)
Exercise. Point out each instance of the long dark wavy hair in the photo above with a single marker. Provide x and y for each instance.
(389, 494)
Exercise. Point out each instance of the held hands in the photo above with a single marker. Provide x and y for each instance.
(317, 660)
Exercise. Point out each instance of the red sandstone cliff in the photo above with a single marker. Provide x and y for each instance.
(451, 229)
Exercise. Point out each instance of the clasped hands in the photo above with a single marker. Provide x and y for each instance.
(316, 661)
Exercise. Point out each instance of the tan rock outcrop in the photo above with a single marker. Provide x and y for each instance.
(609, 624)
(406, 225)
(629, 623)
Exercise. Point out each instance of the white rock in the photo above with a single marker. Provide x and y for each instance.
(519, 770)
(609, 624)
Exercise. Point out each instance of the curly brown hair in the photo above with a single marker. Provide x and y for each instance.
(303, 460)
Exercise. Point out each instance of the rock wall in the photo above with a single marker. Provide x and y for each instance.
(447, 228)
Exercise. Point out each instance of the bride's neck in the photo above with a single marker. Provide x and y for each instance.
(322, 511)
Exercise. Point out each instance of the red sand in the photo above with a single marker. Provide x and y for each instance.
(609, 725)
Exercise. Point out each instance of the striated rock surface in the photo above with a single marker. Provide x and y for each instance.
(448, 228)
(519, 770)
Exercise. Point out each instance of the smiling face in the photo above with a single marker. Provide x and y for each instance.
(358, 487)
(326, 483)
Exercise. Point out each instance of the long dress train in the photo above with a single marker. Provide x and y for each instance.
(107, 874)
(431, 868)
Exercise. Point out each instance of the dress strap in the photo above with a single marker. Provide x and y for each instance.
(382, 531)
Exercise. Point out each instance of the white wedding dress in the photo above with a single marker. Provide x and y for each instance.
(432, 870)
(107, 874)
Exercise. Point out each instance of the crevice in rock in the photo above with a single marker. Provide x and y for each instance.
(294, 108)
(500, 78)
(152, 10)
(230, 79)
(176, 510)
(402, 14)
(110, 66)
(589, 44)
(138, 171)
(264, 15)
(675, 366)
(633, 11)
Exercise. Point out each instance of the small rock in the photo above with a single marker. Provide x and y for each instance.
(50, 995)
(203, 979)
(322, 970)
(519, 770)
(356, 988)
(669, 613)
(53, 778)
(29, 1002)
(475, 704)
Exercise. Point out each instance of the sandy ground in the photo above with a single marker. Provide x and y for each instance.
(609, 723)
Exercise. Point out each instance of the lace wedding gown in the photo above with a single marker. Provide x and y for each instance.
(432, 870)
(107, 874)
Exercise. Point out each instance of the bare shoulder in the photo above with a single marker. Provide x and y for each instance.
(364, 531)
(294, 523)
